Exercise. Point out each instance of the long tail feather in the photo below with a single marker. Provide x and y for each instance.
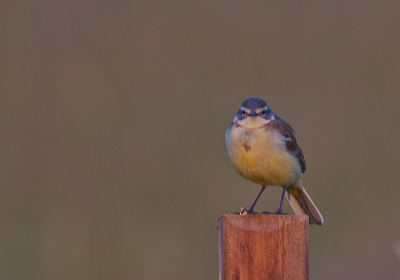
(302, 204)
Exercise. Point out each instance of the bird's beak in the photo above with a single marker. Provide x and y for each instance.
(253, 114)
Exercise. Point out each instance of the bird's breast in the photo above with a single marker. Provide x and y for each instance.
(260, 155)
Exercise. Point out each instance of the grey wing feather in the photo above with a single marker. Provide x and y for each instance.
(290, 136)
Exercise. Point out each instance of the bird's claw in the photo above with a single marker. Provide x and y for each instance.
(244, 211)
(280, 212)
(275, 213)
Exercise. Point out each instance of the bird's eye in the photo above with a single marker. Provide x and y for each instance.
(243, 112)
(263, 111)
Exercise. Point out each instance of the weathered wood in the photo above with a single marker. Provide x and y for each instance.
(253, 247)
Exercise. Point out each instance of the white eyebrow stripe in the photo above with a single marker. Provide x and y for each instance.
(260, 110)
(244, 109)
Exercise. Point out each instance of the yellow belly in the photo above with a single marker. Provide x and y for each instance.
(261, 156)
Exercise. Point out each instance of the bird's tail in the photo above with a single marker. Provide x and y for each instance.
(302, 204)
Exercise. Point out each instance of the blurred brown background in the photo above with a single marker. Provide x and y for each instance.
(112, 120)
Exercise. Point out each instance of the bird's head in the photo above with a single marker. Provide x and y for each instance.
(253, 113)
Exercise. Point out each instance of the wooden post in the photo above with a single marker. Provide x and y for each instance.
(253, 247)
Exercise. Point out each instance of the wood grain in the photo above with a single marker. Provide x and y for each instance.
(263, 247)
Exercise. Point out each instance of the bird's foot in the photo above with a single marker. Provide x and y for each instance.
(275, 213)
(244, 211)
(280, 212)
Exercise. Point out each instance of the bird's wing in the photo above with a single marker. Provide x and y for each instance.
(287, 131)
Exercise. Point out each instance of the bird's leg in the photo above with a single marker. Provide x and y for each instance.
(279, 211)
(250, 211)
(258, 196)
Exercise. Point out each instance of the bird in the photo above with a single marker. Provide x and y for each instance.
(263, 149)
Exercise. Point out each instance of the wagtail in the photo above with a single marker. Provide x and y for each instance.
(263, 149)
